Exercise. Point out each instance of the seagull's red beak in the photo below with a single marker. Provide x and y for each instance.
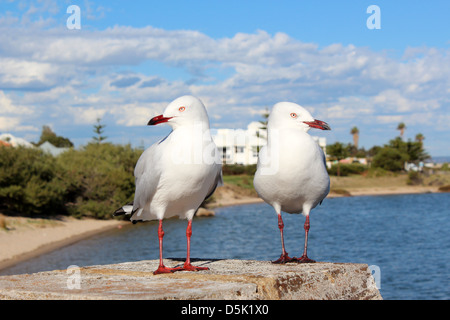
(318, 124)
(158, 119)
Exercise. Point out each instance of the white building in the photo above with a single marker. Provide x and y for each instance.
(14, 141)
(238, 146)
(19, 142)
(50, 148)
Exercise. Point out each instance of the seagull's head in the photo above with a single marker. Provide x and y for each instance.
(291, 115)
(185, 110)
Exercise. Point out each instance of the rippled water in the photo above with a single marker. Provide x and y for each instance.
(406, 236)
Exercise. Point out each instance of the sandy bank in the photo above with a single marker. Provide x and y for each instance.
(33, 237)
(389, 191)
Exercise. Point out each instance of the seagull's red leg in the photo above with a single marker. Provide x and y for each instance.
(304, 258)
(187, 265)
(162, 268)
(284, 255)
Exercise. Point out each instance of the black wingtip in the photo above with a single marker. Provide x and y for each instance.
(119, 212)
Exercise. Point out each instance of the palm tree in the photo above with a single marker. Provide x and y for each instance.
(420, 138)
(355, 133)
(401, 126)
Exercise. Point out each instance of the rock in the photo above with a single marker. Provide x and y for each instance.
(226, 279)
(202, 212)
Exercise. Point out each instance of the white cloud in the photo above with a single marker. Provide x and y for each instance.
(8, 123)
(13, 124)
(7, 105)
(96, 73)
(16, 73)
(86, 115)
(136, 114)
(12, 116)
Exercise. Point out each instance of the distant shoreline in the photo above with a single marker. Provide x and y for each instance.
(19, 246)
(389, 191)
(35, 242)
(350, 192)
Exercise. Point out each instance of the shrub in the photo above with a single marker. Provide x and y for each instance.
(93, 181)
(237, 169)
(98, 178)
(30, 182)
(250, 169)
(232, 169)
(347, 169)
(414, 178)
(390, 159)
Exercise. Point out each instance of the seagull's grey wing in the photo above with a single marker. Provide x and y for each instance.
(324, 159)
(217, 183)
(147, 174)
(144, 183)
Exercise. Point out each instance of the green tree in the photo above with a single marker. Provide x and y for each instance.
(390, 159)
(416, 152)
(58, 141)
(373, 151)
(98, 178)
(98, 130)
(399, 144)
(413, 149)
(93, 181)
(30, 182)
(337, 151)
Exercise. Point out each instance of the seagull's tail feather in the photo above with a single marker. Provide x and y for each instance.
(126, 209)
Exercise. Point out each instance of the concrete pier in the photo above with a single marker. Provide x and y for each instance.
(226, 280)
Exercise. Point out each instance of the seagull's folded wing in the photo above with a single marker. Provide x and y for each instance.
(147, 174)
(217, 183)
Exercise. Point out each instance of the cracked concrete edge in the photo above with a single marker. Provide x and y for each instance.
(246, 280)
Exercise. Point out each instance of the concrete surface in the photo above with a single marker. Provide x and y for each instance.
(226, 280)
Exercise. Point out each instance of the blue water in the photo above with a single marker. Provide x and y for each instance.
(406, 236)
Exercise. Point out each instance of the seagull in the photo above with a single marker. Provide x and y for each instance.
(175, 175)
(291, 172)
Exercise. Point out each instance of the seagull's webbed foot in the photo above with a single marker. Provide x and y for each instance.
(304, 259)
(164, 269)
(284, 258)
(190, 267)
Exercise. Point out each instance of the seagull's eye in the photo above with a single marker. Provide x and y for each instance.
(293, 115)
(181, 109)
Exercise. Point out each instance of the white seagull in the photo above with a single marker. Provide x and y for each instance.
(291, 173)
(175, 175)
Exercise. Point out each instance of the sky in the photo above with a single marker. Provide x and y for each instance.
(130, 59)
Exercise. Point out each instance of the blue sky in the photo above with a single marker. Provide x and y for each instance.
(131, 58)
